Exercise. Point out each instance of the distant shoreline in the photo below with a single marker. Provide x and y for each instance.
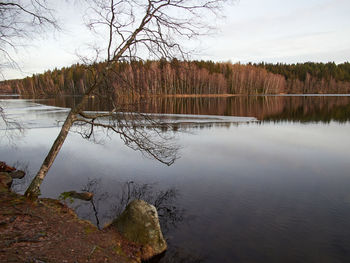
(225, 95)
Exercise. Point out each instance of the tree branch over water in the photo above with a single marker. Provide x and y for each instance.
(133, 29)
(11, 127)
(149, 141)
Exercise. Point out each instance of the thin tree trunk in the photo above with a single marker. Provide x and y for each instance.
(33, 191)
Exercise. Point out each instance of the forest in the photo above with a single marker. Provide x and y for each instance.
(169, 78)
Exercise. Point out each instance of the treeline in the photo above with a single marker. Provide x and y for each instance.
(312, 77)
(149, 78)
(326, 71)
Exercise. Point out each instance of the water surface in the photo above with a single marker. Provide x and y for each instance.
(259, 179)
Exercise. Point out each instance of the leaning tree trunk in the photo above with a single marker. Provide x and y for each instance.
(33, 191)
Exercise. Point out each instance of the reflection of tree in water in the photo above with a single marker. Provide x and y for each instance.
(309, 111)
(92, 187)
(164, 200)
(277, 108)
(104, 207)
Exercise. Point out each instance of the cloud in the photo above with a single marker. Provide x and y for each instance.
(299, 29)
(254, 30)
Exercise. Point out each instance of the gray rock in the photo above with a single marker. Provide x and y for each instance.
(18, 174)
(139, 223)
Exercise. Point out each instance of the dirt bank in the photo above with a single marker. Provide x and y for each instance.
(46, 231)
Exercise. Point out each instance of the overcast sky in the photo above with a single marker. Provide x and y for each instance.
(287, 31)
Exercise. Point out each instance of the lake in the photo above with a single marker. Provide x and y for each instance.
(256, 179)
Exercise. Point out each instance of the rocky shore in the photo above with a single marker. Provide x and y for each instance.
(46, 230)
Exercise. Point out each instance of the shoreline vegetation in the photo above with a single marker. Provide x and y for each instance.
(188, 79)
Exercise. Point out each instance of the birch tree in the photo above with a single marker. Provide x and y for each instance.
(133, 29)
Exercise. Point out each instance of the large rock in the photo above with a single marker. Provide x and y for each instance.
(139, 223)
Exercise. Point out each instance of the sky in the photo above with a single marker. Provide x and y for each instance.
(287, 31)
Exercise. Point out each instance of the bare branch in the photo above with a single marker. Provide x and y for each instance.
(132, 130)
(12, 128)
(22, 19)
(132, 27)
(159, 24)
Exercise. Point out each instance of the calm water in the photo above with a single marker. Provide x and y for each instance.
(259, 179)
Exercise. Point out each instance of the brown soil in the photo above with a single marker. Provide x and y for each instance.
(47, 231)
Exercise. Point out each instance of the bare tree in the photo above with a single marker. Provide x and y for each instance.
(133, 29)
(21, 19)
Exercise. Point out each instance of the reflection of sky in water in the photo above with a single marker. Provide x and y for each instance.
(255, 192)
